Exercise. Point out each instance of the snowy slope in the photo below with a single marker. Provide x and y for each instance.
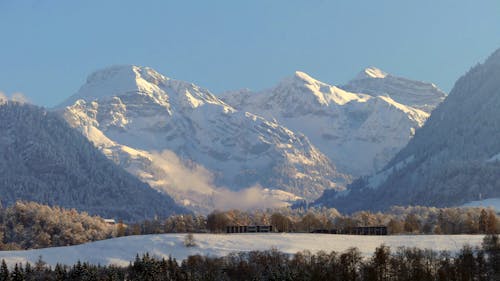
(183, 140)
(42, 159)
(121, 251)
(358, 132)
(486, 203)
(417, 94)
(452, 159)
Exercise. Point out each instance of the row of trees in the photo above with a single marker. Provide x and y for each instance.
(404, 264)
(399, 220)
(413, 220)
(27, 225)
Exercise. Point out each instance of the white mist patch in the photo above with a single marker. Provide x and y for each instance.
(254, 197)
(181, 178)
(183, 175)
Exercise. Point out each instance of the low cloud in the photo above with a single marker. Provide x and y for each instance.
(255, 197)
(183, 175)
(192, 179)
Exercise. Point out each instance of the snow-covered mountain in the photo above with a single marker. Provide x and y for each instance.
(452, 160)
(359, 133)
(417, 94)
(185, 141)
(43, 159)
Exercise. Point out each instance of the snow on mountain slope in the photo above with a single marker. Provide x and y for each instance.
(121, 251)
(375, 82)
(486, 203)
(183, 140)
(358, 132)
(42, 159)
(452, 159)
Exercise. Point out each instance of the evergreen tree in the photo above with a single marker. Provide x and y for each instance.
(481, 266)
(59, 272)
(466, 264)
(380, 263)
(17, 273)
(491, 245)
(4, 272)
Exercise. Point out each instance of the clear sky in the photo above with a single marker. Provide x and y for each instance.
(47, 48)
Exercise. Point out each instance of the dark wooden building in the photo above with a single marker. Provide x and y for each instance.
(249, 228)
(361, 230)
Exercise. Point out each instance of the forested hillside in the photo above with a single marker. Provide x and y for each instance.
(453, 159)
(43, 159)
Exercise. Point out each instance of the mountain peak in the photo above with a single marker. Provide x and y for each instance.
(375, 82)
(300, 79)
(304, 77)
(119, 73)
(110, 72)
(119, 80)
(371, 72)
(130, 80)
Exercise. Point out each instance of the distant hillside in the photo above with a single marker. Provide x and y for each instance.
(43, 159)
(453, 159)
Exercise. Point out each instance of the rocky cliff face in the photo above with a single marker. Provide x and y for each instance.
(358, 132)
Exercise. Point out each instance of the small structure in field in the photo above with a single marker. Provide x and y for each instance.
(249, 228)
(360, 230)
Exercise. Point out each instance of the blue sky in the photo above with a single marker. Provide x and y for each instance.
(47, 48)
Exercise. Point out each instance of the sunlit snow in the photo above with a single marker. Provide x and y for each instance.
(122, 250)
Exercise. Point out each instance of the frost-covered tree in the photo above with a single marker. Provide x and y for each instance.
(32, 225)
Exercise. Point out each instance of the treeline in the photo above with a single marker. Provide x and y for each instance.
(403, 264)
(173, 224)
(28, 225)
(399, 220)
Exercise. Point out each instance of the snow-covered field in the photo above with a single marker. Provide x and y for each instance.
(121, 251)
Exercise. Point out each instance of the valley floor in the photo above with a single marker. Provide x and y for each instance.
(121, 251)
